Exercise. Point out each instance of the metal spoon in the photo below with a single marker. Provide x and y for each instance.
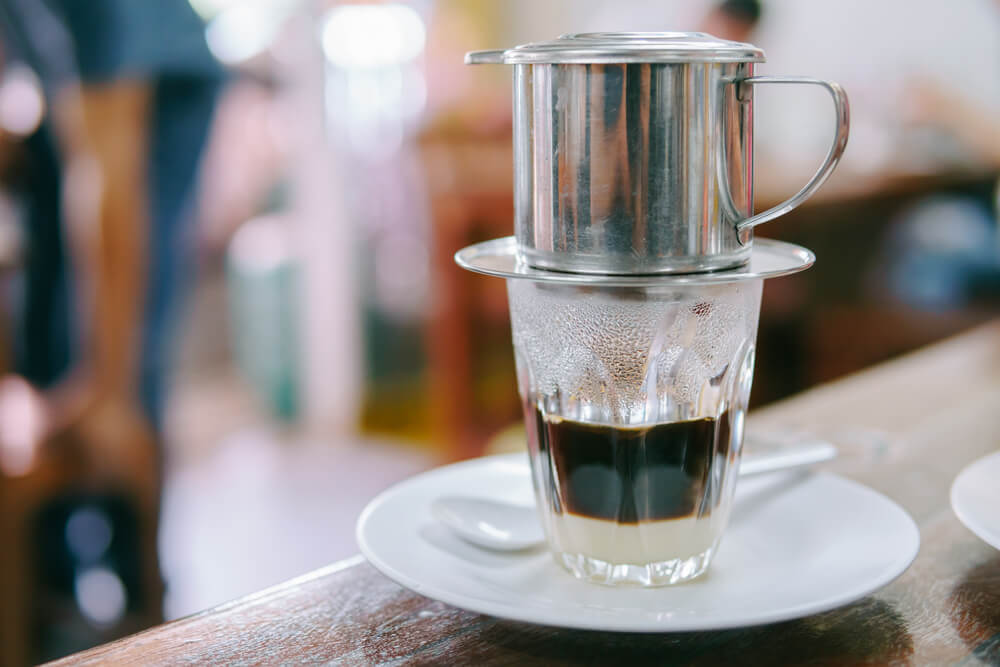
(506, 527)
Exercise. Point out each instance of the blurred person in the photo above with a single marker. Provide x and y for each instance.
(974, 126)
(108, 184)
(944, 251)
(129, 130)
(244, 166)
(934, 102)
(734, 20)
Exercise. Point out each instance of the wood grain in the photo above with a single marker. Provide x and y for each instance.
(907, 428)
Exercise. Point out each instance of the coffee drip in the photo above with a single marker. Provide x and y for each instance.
(628, 475)
(634, 284)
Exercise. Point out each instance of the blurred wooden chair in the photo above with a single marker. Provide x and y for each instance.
(104, 459)
(470, 186)
(87, 446)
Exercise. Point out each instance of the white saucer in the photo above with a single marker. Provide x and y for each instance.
(768, 259)
(798, 544)
(975, 498)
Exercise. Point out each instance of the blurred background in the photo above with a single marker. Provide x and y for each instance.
(228, 310)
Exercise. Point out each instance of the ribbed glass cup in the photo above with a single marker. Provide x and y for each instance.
(634, 401)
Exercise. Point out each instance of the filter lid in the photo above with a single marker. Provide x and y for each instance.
(624, 47)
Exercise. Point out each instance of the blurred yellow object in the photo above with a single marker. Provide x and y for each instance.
(508, 441)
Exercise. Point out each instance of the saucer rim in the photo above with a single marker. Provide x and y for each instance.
(503, 261)
(627, 623)
(971, 520)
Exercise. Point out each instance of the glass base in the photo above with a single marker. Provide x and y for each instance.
(663, 573)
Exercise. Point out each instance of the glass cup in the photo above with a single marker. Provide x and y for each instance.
(634, 401)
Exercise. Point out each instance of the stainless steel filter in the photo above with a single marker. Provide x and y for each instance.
(633, 152)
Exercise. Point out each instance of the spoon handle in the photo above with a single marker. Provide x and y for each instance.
(802, 453)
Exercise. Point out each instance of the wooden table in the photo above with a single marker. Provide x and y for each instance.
(907, 428)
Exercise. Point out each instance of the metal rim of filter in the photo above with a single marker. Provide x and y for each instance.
(502, 259)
